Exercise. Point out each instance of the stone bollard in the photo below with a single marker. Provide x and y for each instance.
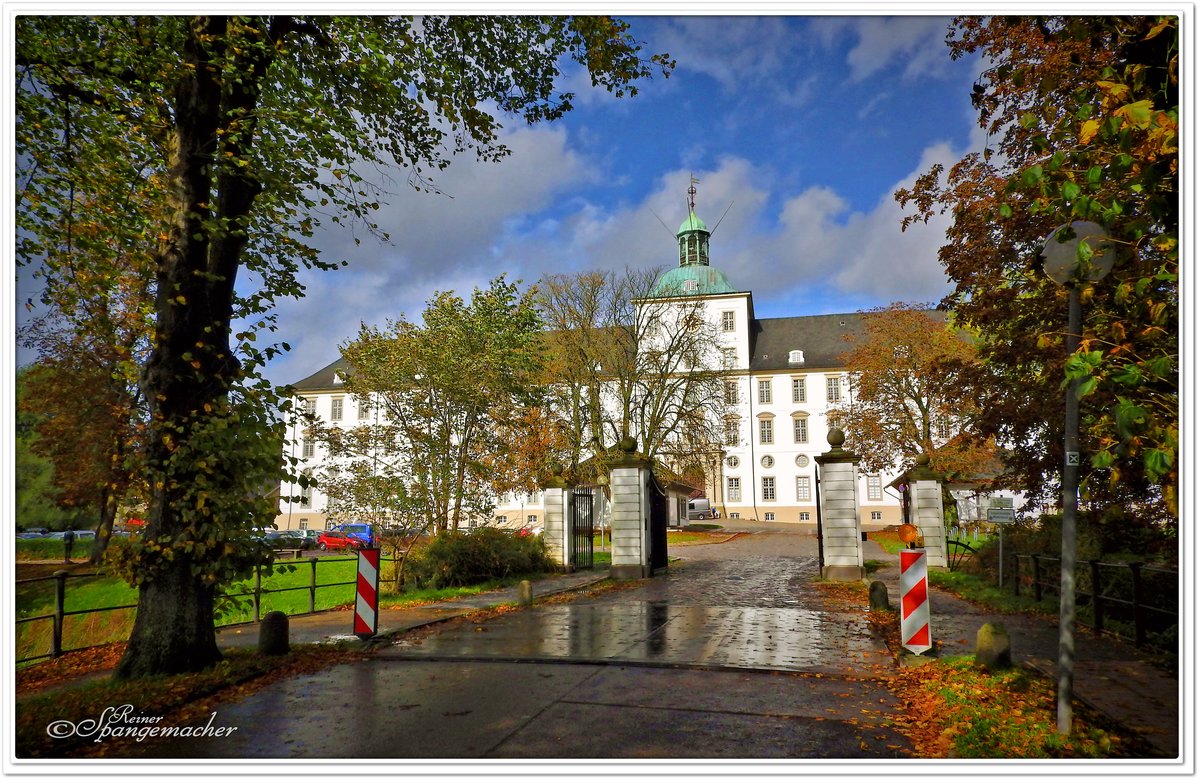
(992, 647)
(273, 634)
(879, 597)
(525, 593)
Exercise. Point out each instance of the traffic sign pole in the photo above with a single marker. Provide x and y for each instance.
(914, 601)
(366, 605)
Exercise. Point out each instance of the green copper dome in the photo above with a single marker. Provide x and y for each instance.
(692, 280)
(691, 223)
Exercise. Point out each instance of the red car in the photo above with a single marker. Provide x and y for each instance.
(336, 540)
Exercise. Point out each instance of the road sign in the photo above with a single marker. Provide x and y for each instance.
(1001, 516)
(366, 605)
(914, 601)
(1001, 502)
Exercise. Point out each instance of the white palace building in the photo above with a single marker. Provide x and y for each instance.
(784, 375)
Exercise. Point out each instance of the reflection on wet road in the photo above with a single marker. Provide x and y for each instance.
(748, 613)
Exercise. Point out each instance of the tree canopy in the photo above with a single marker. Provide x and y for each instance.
(903, 400)
(452, 393)
(1082, 115)
(623, 362)
(232, 139)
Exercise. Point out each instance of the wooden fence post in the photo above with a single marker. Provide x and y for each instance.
(60, 598)
(1139, 618)
(1097, 598)
(257, 590)
(312, 586)
(1016, 575)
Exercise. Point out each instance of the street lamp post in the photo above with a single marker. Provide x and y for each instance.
(1073, 253)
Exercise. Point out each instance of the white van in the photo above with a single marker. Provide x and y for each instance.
(699, 509)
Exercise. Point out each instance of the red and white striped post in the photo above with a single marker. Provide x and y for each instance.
(366, 606)
(914, 602)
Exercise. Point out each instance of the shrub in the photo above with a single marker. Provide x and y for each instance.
(455, 559)
(51, 549)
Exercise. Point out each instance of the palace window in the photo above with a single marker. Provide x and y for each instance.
(335, 408)
(804, 517)
(729, 357)
(766, 431)
(310, 405)
(800, 430)
(877, 515)
(364, 410)
(769, 516)
(306, 492)
(732, 439)
(833, 389)
(768, 488)
(731, 393)
(307, 448)
(764, 391)
(733, 489)
(874, 487)
(728, 322)
(803, 489)
(799, 392)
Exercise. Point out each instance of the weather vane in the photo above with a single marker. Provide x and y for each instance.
(692, 193)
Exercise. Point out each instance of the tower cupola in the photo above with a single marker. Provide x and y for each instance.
(693, 235)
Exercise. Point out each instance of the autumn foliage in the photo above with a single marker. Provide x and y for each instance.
(1082, 116)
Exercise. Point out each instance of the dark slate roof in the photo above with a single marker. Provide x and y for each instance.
(323, 379)
(823, 338)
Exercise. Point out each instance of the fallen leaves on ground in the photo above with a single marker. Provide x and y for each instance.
(954, 708)
(75, 665)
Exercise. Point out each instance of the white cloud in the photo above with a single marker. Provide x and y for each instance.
(437, 243)
(915, 43)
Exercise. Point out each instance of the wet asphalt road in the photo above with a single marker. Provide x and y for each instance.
(731, 655)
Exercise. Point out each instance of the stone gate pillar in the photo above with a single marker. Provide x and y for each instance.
(630, 513)
(841, 532)
(927, 510)
(556, 494)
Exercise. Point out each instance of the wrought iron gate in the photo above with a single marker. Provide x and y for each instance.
(658, 524)
(582, 504)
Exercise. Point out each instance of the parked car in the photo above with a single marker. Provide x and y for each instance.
(363, 532)
(290, 539)
(336, 540)
(29, 535)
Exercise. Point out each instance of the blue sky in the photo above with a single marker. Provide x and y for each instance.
(806, 125)
(802, 127)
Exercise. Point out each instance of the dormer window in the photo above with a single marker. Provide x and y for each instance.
(690, 285)
(796, 357)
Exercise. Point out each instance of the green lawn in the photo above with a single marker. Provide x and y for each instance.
(337, 573)
(83, 593)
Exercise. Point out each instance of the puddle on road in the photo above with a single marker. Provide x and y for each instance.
(743, 637)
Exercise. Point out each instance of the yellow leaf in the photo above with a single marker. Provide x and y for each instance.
(1088, 131)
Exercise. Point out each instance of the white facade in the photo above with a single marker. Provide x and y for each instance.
(783, 377)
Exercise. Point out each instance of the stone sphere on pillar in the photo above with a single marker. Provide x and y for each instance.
(836, 437)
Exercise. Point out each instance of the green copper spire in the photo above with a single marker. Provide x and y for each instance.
(693, 276)
(693, 235)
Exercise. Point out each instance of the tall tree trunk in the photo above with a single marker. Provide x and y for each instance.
(174, 631)
(108, 515)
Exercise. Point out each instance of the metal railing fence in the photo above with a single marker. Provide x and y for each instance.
(60, 613)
